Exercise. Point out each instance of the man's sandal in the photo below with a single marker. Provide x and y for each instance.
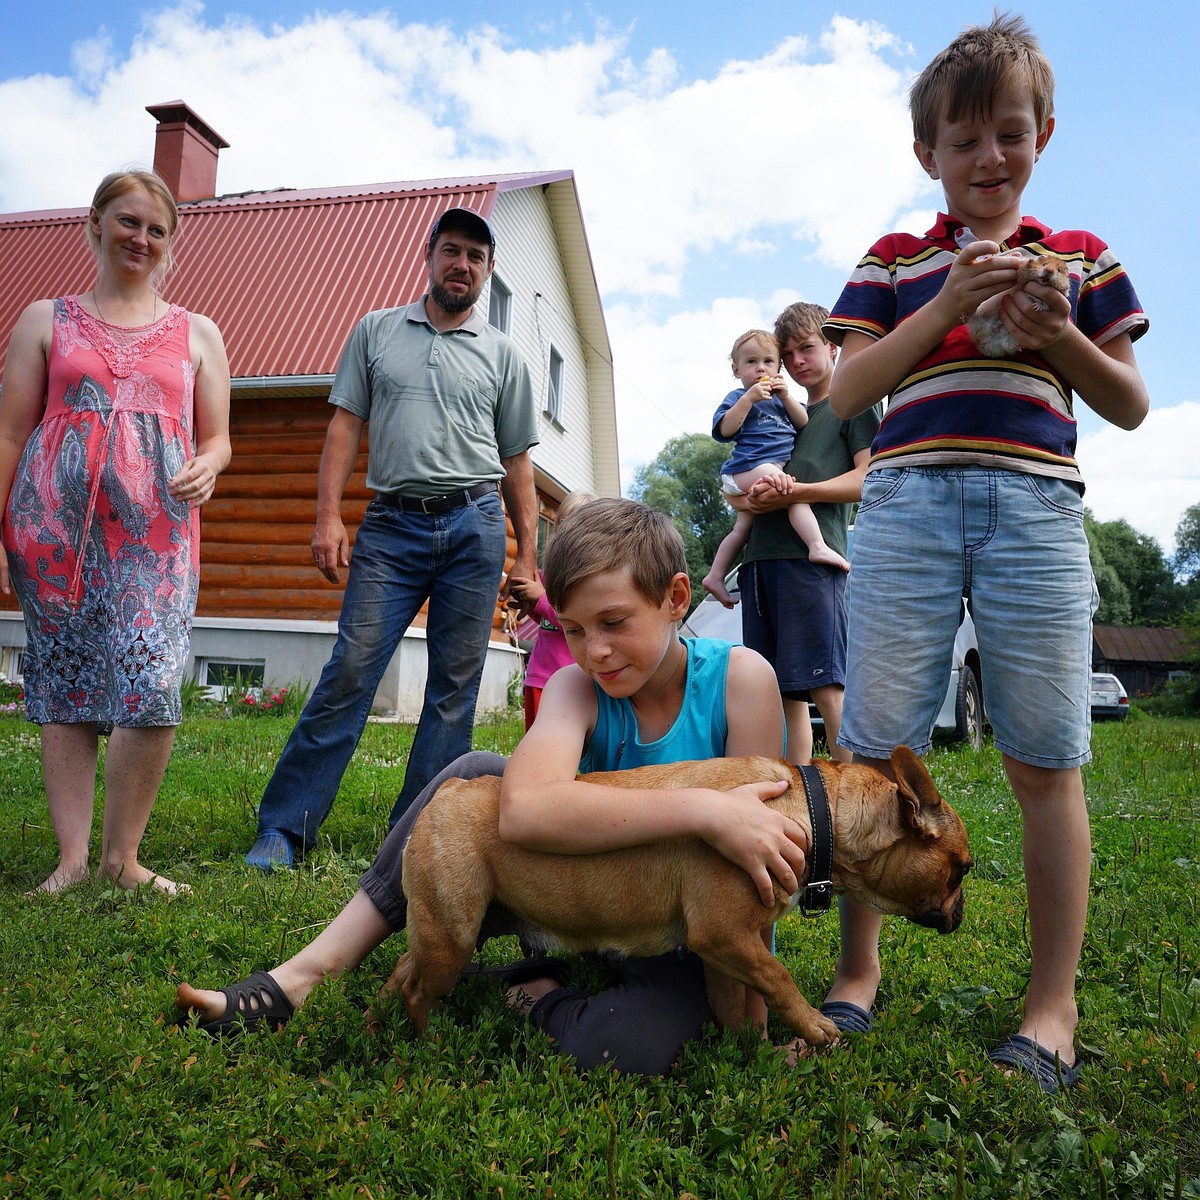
(254, 1003)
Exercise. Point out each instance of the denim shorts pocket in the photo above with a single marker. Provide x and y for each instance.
(1058, 495)
(879, 487)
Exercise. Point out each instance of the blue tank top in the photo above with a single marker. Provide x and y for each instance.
(699, 731)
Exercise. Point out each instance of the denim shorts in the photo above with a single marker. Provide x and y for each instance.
(1015, 547)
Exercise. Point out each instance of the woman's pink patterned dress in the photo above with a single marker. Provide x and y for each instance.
(105, 563)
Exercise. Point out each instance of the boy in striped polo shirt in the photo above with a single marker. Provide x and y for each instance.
(973, 490)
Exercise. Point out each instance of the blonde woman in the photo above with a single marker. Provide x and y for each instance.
(114, 425)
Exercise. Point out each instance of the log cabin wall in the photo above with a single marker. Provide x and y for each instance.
(255, 551)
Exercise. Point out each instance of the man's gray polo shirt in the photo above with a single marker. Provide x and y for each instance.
(443, 408)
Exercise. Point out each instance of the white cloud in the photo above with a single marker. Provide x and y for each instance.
(664, 168)
(798, 158)
(1149, 476)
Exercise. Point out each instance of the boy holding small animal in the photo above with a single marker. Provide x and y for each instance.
(761, 418)
(616, 573)
(973, 490)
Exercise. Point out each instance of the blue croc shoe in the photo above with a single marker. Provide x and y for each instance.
(1025, 1055)
(273, 849)
(849, 1018)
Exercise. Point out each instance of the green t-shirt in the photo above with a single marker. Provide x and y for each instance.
(825, 448)
(443, 408)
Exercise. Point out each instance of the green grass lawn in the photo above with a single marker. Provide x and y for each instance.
(101, 1095)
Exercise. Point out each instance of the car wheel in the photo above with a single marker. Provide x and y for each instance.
(968, 709)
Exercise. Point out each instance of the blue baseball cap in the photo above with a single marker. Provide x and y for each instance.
(465, 221)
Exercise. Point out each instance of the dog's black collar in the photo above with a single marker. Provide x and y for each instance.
(815, 897)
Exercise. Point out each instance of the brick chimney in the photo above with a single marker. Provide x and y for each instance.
(185, 151)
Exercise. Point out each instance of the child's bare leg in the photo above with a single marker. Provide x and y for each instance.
(726, 555)
(339, 947)
(1057, 848)
(804, 522)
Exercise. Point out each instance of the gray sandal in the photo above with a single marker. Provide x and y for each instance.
(250, 1004)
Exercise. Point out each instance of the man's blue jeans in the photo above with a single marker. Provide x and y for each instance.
(455, 561)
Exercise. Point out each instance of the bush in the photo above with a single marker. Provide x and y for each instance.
(285, 701)
(1180, 698)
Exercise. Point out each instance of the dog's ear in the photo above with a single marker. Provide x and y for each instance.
(921, 805)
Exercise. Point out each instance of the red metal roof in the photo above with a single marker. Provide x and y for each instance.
(284, 274)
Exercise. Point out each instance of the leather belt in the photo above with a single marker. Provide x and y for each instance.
(431, 505)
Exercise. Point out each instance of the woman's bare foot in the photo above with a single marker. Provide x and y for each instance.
(715, 586)
(828, 558)
(62, 877)
(134, 875)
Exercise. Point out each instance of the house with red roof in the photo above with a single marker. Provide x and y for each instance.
(286, 274)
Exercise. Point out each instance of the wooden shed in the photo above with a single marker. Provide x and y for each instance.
(1142, 657)
(286, 274)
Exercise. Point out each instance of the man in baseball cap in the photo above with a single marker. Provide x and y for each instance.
(450, 402)
(465, 221)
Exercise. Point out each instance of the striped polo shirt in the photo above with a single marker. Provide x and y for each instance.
(956, 407)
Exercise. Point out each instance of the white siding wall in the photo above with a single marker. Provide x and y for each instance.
(528, 262)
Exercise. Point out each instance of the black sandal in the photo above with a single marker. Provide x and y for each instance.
(250, 1004)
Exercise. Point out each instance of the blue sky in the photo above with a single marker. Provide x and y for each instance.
(729, 158)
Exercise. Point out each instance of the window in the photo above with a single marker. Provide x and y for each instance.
(224, 675)
(12, 664)
(554, 388)
(500, 306)
(545, 528)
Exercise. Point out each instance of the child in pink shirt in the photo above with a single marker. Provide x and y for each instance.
(550, 647)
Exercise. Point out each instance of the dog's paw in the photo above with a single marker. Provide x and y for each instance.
(818, 1035)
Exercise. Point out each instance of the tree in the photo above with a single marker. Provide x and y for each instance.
(684, 482)
(1187, 545)
(1139, 564)
(1114, 607)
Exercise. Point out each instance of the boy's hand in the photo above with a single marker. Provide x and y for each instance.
(979, 272)
(765, 497)
(1035, 315)
(767, 845)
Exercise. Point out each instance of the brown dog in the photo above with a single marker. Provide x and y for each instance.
(898, 848)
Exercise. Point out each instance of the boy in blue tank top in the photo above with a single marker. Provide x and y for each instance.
(616, 574)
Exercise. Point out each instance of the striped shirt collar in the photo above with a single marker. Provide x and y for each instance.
(1029, 230)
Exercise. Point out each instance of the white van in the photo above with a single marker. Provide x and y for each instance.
(961, 717)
